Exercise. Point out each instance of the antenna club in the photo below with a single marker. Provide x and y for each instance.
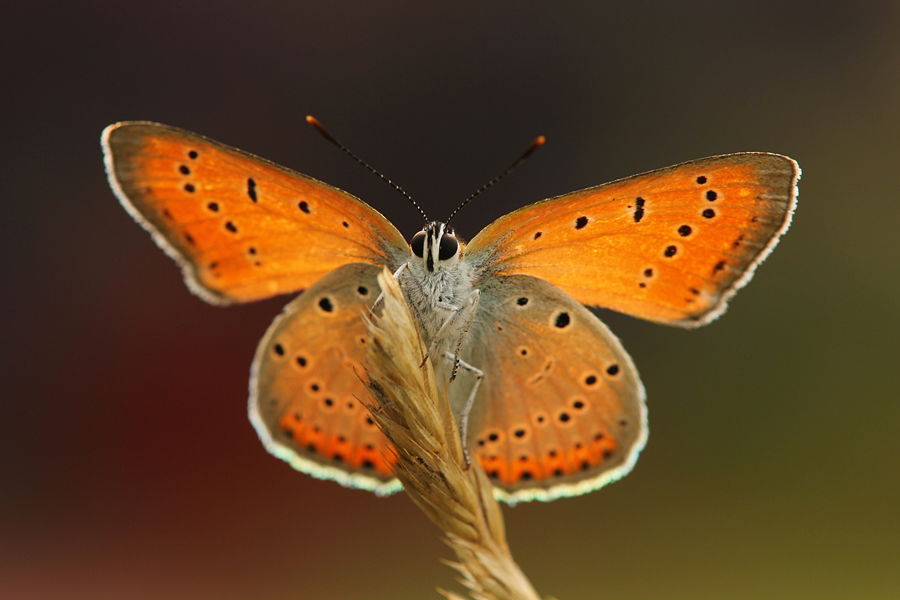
(538, 141)
(321, 129)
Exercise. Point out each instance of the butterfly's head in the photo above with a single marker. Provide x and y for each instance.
(436, 245)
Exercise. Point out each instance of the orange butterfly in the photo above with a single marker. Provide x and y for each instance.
(550, 403)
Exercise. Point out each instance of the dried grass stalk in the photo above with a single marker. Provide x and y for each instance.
(415, 415)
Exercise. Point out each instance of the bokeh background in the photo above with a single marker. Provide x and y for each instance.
(129, 469)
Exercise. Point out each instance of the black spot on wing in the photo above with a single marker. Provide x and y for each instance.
(326, 305)
(639, 210)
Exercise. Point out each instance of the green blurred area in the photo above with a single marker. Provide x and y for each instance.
(771, 470)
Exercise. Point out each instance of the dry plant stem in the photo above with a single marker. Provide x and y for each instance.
(416, 416)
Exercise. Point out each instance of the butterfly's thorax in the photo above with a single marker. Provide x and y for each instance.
(436, 296)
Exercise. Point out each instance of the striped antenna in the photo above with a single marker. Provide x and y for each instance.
(321, 129)
(537, 143)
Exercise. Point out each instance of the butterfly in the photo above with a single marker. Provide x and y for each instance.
(550, 403)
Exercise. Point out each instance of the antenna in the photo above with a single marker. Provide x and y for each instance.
(537, 143)
(321, 129)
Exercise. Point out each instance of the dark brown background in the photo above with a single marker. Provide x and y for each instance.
(129, 469)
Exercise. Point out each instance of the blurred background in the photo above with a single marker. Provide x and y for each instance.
(129, 469)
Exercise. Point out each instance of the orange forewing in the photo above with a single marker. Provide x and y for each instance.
(670, 245)
(242, 228)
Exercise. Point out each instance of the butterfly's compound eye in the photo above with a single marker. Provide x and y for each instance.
(418, 244)
(448, 247)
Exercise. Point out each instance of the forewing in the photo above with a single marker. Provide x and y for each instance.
(241, 227)
(670, 245)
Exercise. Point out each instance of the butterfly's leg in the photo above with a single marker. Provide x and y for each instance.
(472, 307)
(471, 303)
(381, 295)
(470, 401)
(434, 342)
(440, 332)
(400, 270)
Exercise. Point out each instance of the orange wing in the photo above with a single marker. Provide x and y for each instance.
(241, 228)
(671, 245)
(560, 411)
(307, 396)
